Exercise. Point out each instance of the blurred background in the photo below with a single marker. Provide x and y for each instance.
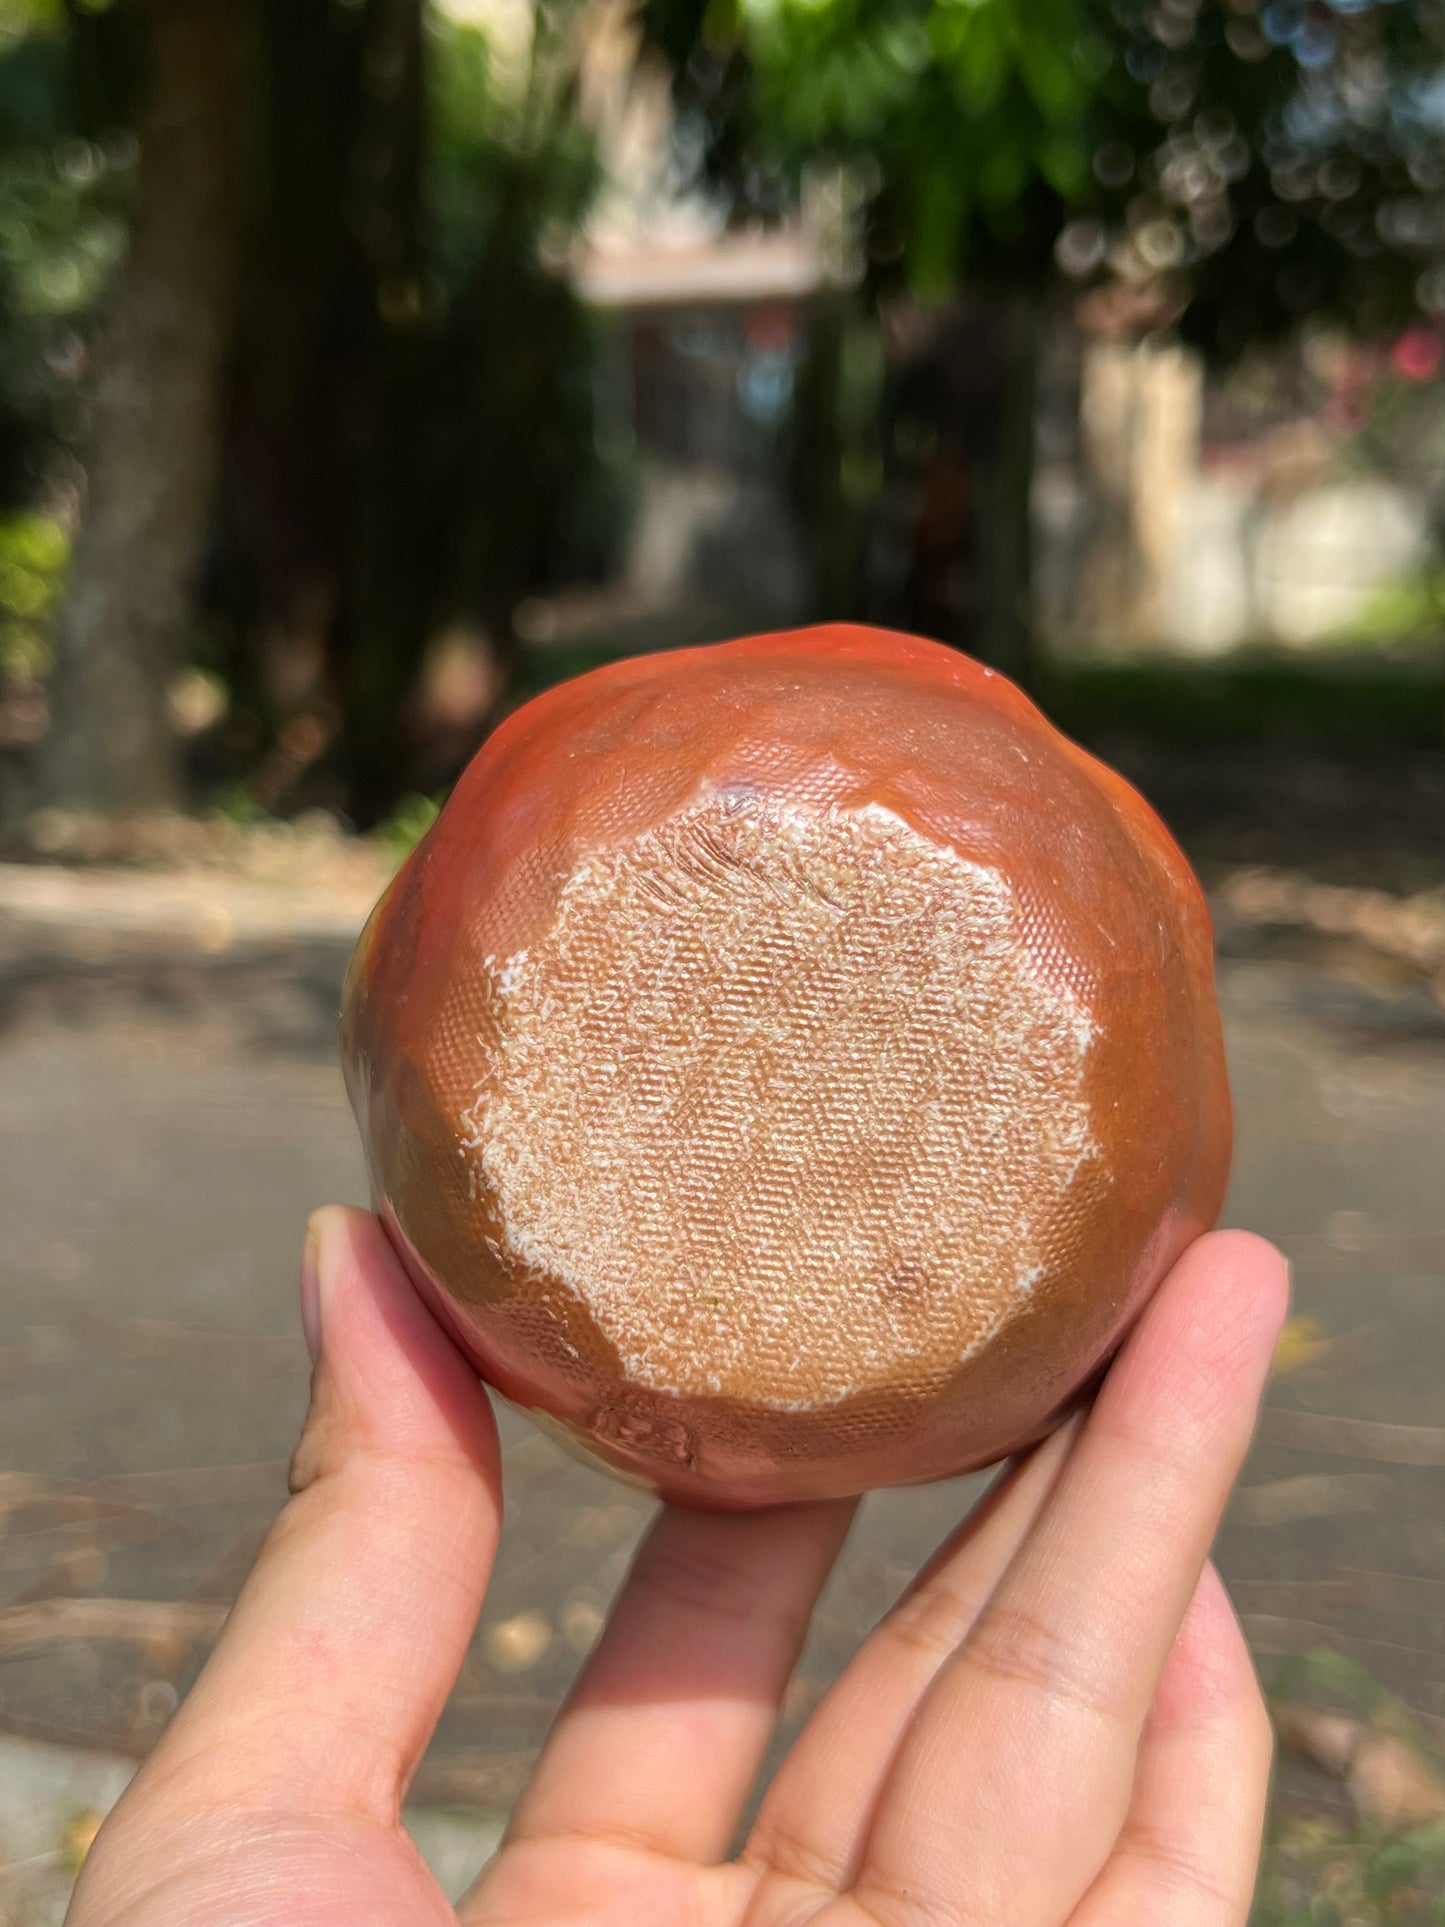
(367, 365)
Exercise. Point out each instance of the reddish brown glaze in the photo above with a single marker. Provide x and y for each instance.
(790, 1066)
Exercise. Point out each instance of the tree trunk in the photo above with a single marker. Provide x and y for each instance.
(155, 420)
(1006, 637)
(304, 316)
(831, 437)
(388, 595)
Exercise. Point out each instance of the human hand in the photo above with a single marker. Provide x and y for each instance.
(1058, 1723)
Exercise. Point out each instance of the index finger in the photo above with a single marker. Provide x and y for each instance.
(1016, 1775)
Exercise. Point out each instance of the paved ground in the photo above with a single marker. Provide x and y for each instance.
(170, 1111)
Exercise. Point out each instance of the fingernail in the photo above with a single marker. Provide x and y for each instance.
(311, 1289)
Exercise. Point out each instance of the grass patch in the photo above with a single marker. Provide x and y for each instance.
(1320, 1875)
(1355, 704)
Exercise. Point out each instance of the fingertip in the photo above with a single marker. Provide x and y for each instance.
(401, 1381)
(1253, 1282)
(343, 1235)
(1229, 1285)
(1252, 1264)
(1194, 1369)
(337, 1243)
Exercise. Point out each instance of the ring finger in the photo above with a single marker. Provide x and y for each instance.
(1189, 1850)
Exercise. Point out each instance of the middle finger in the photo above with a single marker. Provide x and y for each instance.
(663, 1735)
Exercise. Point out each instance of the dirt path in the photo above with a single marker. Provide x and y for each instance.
(170, 1111)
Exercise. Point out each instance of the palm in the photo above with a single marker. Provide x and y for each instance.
(600, 1883)
(1029, 1736)
(315, 1874)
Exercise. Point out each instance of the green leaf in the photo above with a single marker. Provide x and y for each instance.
(939, 204)
(1003, 176)
(1051, 81)
(22, 592)
(1429, 1842)
(980, 60)
(1065, 166)
(408, 824)
(1396, 1865)
(21, 17)
(906, 44)
(1331, 1673)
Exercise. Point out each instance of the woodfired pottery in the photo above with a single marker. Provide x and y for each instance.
(789, 1066)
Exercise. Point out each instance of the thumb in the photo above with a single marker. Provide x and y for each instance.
(338, 1657)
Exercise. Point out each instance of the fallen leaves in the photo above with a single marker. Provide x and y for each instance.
(1343, 1588)
(1319, 1871)
(581, 1622)
(30, 1505)
(1355, 1438)
(167, 1342)
(164, 1627)
(1309, 1495)
(1390, 1782)
(1302, 1342)
(515, 1645)
(1409, 929)
(79, 1837)
(261, 1482)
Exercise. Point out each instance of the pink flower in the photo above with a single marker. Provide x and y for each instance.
(1417, 354)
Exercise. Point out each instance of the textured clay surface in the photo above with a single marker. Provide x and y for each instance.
(789, 1066)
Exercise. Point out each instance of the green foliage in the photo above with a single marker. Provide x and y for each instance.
(1298, 169)
(1323, 1873)
(1317, 1874)
(21, 18)
(34, 552)
(512, 173)
(968, 119)
(62, 233)
(1410, 610)
(1348, 702)
(1409, 1860)
(408, 823)
(64, 183)
(1253, 162)
(235, 803)
(63, 197)
(506, 148)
